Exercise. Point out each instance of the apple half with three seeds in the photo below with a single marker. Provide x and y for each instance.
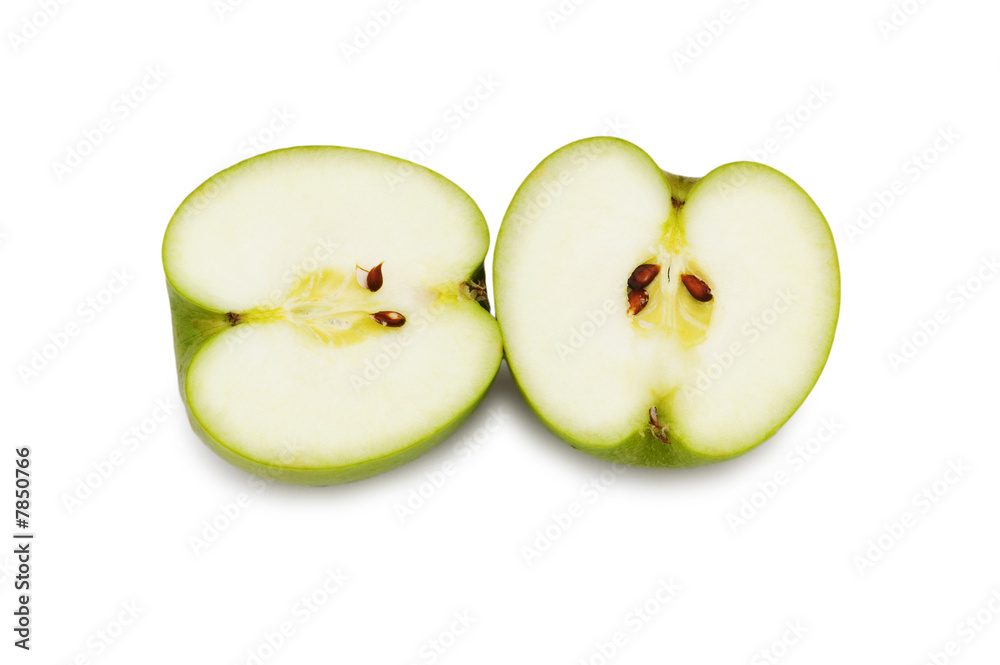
(329, 311)
(658, 320)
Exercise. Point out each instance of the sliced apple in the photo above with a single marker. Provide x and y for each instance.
(330, 315)
(659, 320)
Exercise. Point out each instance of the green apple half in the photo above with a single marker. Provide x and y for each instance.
(658, 320)
(329, 312)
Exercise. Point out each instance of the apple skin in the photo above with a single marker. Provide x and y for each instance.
(641, 448)
(195, 326)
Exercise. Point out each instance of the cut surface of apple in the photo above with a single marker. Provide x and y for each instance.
(660, 320)
(329, 310)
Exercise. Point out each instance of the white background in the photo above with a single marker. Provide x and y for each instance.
(805, 557)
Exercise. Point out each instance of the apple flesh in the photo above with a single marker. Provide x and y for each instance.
(330, 316)
(659, 320)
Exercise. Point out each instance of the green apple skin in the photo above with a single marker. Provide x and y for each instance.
(195, 326)
(641, 448)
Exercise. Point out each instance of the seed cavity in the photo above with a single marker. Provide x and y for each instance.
(659, 431)
(643, 276)
(697, 288)
(389, 319)
(637, 300)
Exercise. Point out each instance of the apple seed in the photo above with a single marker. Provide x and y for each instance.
(374, 281)
(370, 279)
(637, 299)
(697, 288)
(389, 319)
(642, 276)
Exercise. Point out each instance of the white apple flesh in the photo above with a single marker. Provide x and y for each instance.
(329, 312)
(658, 320)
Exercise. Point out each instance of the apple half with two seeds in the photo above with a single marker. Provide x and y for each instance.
(329, 311)
(659, 320)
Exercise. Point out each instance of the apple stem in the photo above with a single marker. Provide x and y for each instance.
(680, 187)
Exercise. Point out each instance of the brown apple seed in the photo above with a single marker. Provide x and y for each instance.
(697, 288)
(374, 280)
(637, 299)
(643, 275)
(389, 319)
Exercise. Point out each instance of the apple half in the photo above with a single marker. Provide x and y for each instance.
(329, 312)
(658, 320)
